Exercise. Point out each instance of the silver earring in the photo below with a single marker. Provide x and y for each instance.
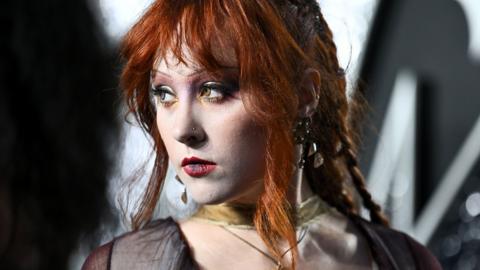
(317, 156)
(183, 197)
(303, 135)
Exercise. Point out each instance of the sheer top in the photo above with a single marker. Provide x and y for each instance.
(161, 245)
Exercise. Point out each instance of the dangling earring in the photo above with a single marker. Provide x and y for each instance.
(183, 197)
(318, 158)
(303, 135)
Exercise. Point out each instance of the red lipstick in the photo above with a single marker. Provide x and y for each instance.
(196, 167)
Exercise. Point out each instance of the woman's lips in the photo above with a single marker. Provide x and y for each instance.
(198, 170)
(196, 167)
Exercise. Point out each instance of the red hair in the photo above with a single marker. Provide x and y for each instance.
(274, 42)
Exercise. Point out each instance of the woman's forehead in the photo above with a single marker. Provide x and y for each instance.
(183, 66)
(222, 51)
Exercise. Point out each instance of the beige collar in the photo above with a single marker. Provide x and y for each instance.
(241, 215)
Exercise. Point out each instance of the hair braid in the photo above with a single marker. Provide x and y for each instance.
(347, 150)
(335, 87)
(334, 78)
(328, 182)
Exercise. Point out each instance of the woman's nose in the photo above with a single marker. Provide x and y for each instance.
(187, 129)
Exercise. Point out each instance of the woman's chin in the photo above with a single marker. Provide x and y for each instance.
(203, 196)
(212, 191)
(210, 196)
(208, 200)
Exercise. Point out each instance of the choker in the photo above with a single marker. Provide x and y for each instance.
(241, 215)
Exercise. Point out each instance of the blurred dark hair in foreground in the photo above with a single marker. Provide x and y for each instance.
(58, 126)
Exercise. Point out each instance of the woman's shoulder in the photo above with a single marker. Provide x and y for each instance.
(159, 244)
(396, 249)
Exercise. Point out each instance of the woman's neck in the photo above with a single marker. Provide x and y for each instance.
(299, 189)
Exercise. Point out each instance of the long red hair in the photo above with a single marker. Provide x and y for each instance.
(274, 42)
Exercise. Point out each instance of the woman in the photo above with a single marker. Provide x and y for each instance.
(247, 102)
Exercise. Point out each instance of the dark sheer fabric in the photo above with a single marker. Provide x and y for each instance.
(162, 246)
(158, 246)
(395, 250)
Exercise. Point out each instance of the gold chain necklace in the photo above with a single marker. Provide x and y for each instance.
(240, 216)
(277, 263)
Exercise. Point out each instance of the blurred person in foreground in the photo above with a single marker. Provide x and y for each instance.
(57, 131)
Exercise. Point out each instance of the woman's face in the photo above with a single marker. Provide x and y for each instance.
(212, 142)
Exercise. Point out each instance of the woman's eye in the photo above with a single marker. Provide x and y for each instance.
(213, 91)
(163, 94)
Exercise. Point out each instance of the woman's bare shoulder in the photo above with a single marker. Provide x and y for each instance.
(333, 238)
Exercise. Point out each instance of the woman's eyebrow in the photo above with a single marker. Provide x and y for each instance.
(195, 72)
(229, 68)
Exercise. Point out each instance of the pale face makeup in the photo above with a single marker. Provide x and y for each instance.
(216, 148)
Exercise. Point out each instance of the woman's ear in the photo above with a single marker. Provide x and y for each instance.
(309, 92)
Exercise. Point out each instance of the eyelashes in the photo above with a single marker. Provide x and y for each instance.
(211, 92)
(214, 91)
(163, 94)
